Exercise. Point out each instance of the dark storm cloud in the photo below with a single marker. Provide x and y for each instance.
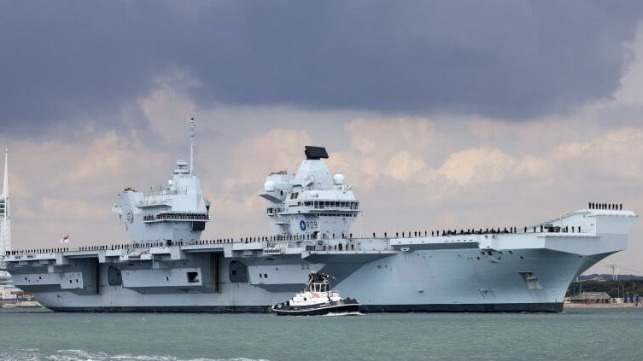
(511, 59)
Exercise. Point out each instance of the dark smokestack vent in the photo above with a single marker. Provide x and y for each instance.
(315, 152)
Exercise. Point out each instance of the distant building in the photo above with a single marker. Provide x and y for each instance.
(591, 297)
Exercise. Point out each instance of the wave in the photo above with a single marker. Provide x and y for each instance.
(334, 314)
(82, 355)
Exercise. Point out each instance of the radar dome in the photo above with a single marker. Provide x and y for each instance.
(338, 179)
(269, 186)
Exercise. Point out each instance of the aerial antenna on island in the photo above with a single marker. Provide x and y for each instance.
(192, 130)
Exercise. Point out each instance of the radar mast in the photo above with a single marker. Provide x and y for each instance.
(192, 131)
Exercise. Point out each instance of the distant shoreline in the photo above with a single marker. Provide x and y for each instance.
(602, 305)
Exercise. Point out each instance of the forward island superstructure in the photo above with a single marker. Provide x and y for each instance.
(168, 267)
(172, 213)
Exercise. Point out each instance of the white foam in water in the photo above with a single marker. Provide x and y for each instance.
(20, 355)
(333, 314)
(82, 355)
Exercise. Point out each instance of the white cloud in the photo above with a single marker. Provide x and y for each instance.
(64, 187)
(480, 165)
(404, 166)
(629, 92)
(167, 107)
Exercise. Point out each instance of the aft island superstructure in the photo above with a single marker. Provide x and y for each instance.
(168, 267)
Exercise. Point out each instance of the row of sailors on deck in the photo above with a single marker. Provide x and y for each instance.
(455, 232)
(32, 251)
(608, 206)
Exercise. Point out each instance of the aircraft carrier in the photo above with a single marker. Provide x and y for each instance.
(167, 267)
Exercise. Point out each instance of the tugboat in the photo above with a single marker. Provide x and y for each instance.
(316, 299)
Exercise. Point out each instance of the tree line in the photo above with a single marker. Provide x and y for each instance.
(613, 288)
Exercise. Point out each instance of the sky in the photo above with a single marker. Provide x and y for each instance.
(441, 114)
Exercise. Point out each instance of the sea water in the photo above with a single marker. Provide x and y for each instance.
(577, 334)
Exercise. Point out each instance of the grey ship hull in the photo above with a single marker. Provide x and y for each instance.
(390, 284)
(444, 286)
(512, 272)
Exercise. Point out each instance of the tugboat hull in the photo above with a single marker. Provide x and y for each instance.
(348, 306)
